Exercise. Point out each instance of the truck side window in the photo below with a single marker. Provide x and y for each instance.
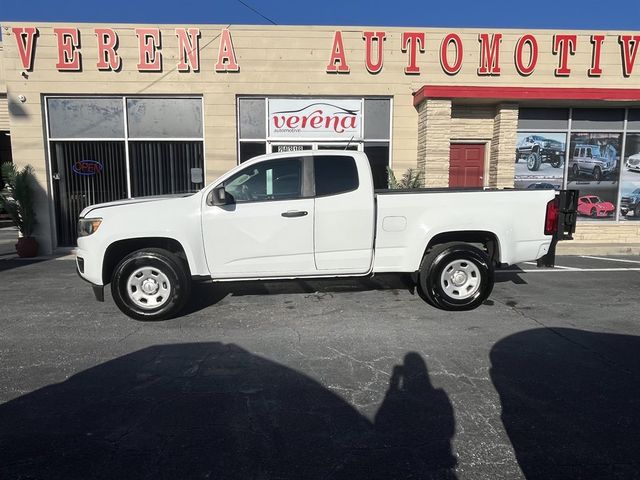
(273, 180)
(335, 174)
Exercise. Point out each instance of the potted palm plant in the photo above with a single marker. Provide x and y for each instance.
(17, 200)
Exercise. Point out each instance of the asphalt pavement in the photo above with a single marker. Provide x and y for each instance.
(324, 379)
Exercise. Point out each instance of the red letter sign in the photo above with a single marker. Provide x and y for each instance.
(369, 37)
(108, 59)
(188, 49)
(565, 45)
(489, 54)
(226, 55)
(629, 46)
(26, 40)
(149, 57)
(68, 44)
(444, 61)
(596, 70)
(411, 41)
(338, 61)
(526, 70)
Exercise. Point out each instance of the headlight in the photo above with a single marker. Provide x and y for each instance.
(87, 226)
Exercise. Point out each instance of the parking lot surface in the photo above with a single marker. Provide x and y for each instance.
(324, 379)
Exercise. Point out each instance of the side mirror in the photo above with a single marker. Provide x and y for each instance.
(219, 196)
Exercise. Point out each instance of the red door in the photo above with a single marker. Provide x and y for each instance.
(466, 165)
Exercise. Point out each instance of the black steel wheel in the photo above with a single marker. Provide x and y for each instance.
(456, 276)
(150, 284)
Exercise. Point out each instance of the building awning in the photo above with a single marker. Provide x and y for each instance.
(519, 94)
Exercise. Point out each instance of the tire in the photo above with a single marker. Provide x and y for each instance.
(636, 212)
(575, 170)
(597, 174)
(533, 161)
(594, 212)
(472, 268)
(556, 161)
(157, 270)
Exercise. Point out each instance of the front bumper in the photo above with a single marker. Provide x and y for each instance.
(98, 290)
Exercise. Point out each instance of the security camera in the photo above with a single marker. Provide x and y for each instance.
(22, 98)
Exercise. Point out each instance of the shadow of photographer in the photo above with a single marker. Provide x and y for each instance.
(213, 410)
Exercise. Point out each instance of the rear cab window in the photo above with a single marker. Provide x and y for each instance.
(334, 174)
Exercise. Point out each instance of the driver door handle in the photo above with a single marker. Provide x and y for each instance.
(294, 213)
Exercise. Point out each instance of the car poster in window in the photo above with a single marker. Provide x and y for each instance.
(540, 160)
(630, 179)
(594, 169)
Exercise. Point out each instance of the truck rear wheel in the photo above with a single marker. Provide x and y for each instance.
(150, 284)
(456, 276)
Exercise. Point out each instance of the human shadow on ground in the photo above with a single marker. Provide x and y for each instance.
(213, 410)
(571, 402)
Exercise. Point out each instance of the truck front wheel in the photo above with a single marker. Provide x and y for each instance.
(150, 284)
(534, 161)
(456, 276)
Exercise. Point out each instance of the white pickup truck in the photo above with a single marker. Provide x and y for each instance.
(314, 214)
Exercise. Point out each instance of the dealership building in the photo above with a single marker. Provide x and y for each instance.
(104, 112)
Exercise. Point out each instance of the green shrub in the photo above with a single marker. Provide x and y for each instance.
(17, 197)
(412, 178)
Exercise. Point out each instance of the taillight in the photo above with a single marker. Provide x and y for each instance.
(551, 220)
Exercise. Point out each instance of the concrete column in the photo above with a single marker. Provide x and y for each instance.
(503, 146)
(434, 138)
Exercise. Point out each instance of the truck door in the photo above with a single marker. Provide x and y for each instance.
(344, 214)
(268, 229)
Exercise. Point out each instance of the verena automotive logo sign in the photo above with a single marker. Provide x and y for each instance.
(315, 118)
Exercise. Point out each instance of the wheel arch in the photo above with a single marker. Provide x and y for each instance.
(487, 241)
(119, 249)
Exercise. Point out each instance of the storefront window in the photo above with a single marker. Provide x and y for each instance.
(541, 148)
(158, 168)
(252, 118)
(85, 173)
(599, 161)
(594, 170)
(283, 124)
(248, 150)
(164, 117)
(378, 154)
(86, 117)
(630, 170)
(377, 116)
(98, 156)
